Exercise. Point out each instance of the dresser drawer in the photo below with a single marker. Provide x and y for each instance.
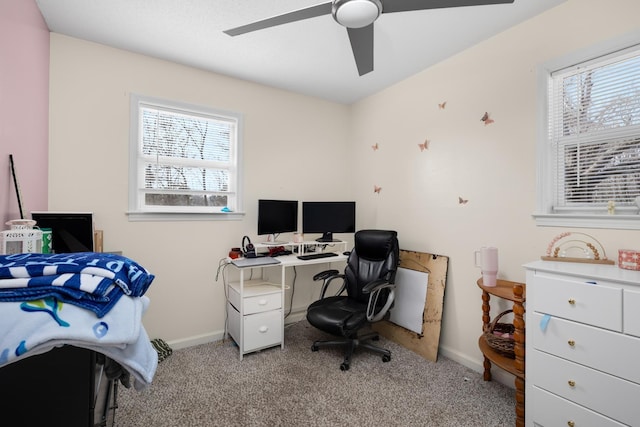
(555, 411)
(608, 395)
(262, 330)
(596, 305)
(257, 297)
(631, 313)
(586, 345)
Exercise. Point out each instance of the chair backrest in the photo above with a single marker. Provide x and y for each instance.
(376, 255)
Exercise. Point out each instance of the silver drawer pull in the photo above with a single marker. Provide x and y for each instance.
(572, 383)
(571, 423)
(263, 329)
(572, 301)
(572, 343)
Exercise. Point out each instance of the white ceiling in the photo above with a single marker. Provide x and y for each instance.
(311, 57)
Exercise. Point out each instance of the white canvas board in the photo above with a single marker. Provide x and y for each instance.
(411, 294)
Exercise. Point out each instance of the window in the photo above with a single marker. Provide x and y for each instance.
(589, 152)
(184, 161)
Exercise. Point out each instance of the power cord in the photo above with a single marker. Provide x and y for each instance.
(222, 265)
(293, 290)
(222, 268)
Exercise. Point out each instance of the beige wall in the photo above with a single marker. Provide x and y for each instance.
(291, 141)
(295, 147)
(492, 166)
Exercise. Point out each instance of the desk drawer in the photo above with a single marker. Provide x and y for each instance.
(262, 330)
(603, 393)
(257, 298)
(554, 411)
(596, 305)
(262, 303)
(593, 347)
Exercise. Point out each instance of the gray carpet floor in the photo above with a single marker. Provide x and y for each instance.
(207, 385)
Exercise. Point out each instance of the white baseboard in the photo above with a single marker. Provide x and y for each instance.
(196, 340)
(497, 374)
(293, 317)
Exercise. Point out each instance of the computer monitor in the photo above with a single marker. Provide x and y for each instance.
(70, 231)
(328, 218)
(277, 216)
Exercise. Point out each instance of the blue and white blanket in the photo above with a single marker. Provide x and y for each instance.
(37, 326)
(91, 280)
(88, 299)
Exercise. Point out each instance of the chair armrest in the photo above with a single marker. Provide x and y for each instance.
(324, 275)
(374, 288)
(369, 287)
(328, 276)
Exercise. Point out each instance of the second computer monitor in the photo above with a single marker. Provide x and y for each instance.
(328, 218)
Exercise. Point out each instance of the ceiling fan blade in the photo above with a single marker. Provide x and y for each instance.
(362, 45)
(390, 6)
(297, 15)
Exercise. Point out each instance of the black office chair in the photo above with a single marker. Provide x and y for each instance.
(369, 282)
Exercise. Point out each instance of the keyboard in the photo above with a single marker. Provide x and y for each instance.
(307, 257)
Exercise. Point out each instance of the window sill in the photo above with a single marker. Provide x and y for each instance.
(185, 216)
(620, 222)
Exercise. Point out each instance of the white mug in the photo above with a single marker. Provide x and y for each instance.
(487, 260)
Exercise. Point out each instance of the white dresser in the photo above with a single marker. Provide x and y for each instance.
(582, 345)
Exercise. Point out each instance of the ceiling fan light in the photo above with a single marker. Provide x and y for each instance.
(356, 13)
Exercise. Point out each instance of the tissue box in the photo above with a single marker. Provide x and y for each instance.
(629, 259)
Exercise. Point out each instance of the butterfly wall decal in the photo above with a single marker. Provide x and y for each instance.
(374, 146)
(424, 145)
(462, 201)
(441, 106)
(487, 119)
(376, 189)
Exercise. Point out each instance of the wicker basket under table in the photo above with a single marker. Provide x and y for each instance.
(493, 336)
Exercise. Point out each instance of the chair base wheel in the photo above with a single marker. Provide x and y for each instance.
(349, 346)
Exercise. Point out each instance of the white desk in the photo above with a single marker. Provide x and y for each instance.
(293, 261)
(255, 307)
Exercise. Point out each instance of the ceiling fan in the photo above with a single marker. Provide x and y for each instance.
(358, 17)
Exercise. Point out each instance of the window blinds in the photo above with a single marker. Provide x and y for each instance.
(594, 129)
(186, 151)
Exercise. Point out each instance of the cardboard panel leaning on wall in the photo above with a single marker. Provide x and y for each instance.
(426, 343)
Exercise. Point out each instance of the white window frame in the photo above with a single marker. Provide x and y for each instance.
(138, 210)
(627, 218)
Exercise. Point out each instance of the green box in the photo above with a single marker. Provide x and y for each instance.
(47, 240)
